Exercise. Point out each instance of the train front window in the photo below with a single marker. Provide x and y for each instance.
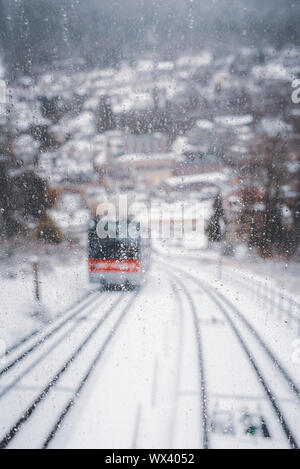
(109, 249)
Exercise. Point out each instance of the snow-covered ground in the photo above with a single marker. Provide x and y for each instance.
(191, 360)
(63, 279)
(277, 273)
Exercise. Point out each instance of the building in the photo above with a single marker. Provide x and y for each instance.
(143, 169)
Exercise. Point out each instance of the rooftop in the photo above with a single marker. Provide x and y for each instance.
(212, 178)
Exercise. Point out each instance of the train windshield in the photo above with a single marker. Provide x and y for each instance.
(108, 249)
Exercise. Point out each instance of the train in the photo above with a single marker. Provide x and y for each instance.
(121, 260)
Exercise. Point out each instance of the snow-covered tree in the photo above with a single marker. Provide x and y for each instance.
(217, 222)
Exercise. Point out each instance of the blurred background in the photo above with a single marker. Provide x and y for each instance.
(163, 100)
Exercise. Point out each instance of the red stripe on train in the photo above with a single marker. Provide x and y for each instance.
(100, 265)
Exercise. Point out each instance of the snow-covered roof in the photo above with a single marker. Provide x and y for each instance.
(134, 100)
(239, 149)
(202, 60)
(293, 166)
(145, 66)
(134, 157)
(100, 159)
(124, 75)
(234, 121)
(295, 112)
(71, 220)
(81, 125)
(77, 149)
(210, 178)
(70, 167)
(181, 145)
(91, 103)
(272, 71)
(25, 147)
(165, 66)
(26, 114)
(273, 126)
(2, 69)
(205, 124)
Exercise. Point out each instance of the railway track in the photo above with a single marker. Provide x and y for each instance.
(48, 371)
(250, 342)
(83, 382)
(36, 332)
(28, 345)
(203, 418)
(59, 363)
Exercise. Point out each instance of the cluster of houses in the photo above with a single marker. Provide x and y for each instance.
(85, 132)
